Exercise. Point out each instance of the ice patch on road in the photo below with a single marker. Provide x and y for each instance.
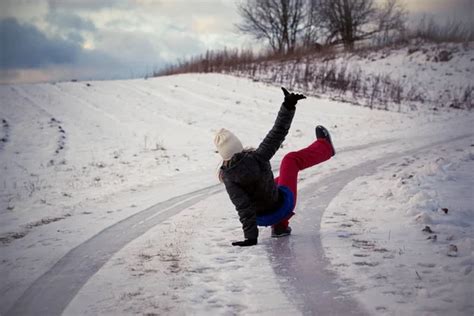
(186, 265)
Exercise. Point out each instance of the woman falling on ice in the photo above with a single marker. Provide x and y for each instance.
(259, 198)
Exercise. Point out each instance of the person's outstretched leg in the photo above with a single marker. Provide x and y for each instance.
(293, 162)
(319, 151)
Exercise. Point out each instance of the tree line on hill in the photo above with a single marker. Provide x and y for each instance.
(288, 24)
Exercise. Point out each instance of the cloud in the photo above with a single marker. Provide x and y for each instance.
(114, 38)
(24, 46)
(443, 10)
(30, 54)
(87, 5)
(134, 49)
(176, 43)
(66, 20)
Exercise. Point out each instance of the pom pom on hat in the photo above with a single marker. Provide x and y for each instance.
(227, 144)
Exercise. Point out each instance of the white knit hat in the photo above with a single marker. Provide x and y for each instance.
(227, 144)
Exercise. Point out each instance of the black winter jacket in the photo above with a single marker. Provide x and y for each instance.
(249, 180)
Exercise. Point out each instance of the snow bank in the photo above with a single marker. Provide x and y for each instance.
(404, 238)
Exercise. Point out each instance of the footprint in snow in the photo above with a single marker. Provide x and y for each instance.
(379, 276)
(227, 229)
(365, 263)
(364, 244)
(61, 143)
(222, 244)
(5, 133)
(389, 292)
(237, 308)
(225, 259)
(234, 288)
(344, 234)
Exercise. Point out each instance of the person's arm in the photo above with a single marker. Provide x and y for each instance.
(247, 213)
(275, 137)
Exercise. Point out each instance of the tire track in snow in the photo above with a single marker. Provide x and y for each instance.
(31, 100)
(51, 293)
(94, 106)
(169, 103)
(301, 260)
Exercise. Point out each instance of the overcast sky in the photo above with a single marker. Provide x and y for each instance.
(50, 40)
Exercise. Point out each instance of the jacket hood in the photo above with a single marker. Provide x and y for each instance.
(239, 169)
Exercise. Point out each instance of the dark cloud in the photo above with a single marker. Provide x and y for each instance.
(27, 50)
(24, 46)
(75, 37)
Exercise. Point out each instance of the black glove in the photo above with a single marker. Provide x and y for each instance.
(291, 99)
(245, 243)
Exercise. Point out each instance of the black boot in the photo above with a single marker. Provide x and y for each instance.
(322, 132)
(280, 231)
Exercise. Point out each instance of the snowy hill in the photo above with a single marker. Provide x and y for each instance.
(80, 157)
(414, 75)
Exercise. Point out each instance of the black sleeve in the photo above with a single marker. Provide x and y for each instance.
(275, 137)
(247, 213)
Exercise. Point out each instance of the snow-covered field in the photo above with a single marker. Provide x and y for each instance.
(78, 157)
(439, 73)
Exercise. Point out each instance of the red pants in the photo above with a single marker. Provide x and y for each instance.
(293, 162)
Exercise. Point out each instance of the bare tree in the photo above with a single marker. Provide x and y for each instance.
(391, 18)
(287, 24)
(348, 21)
(344, 19)
(280, 22)
(313, 30)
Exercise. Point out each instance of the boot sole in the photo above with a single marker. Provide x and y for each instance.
(329, 140)
(281, 235)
